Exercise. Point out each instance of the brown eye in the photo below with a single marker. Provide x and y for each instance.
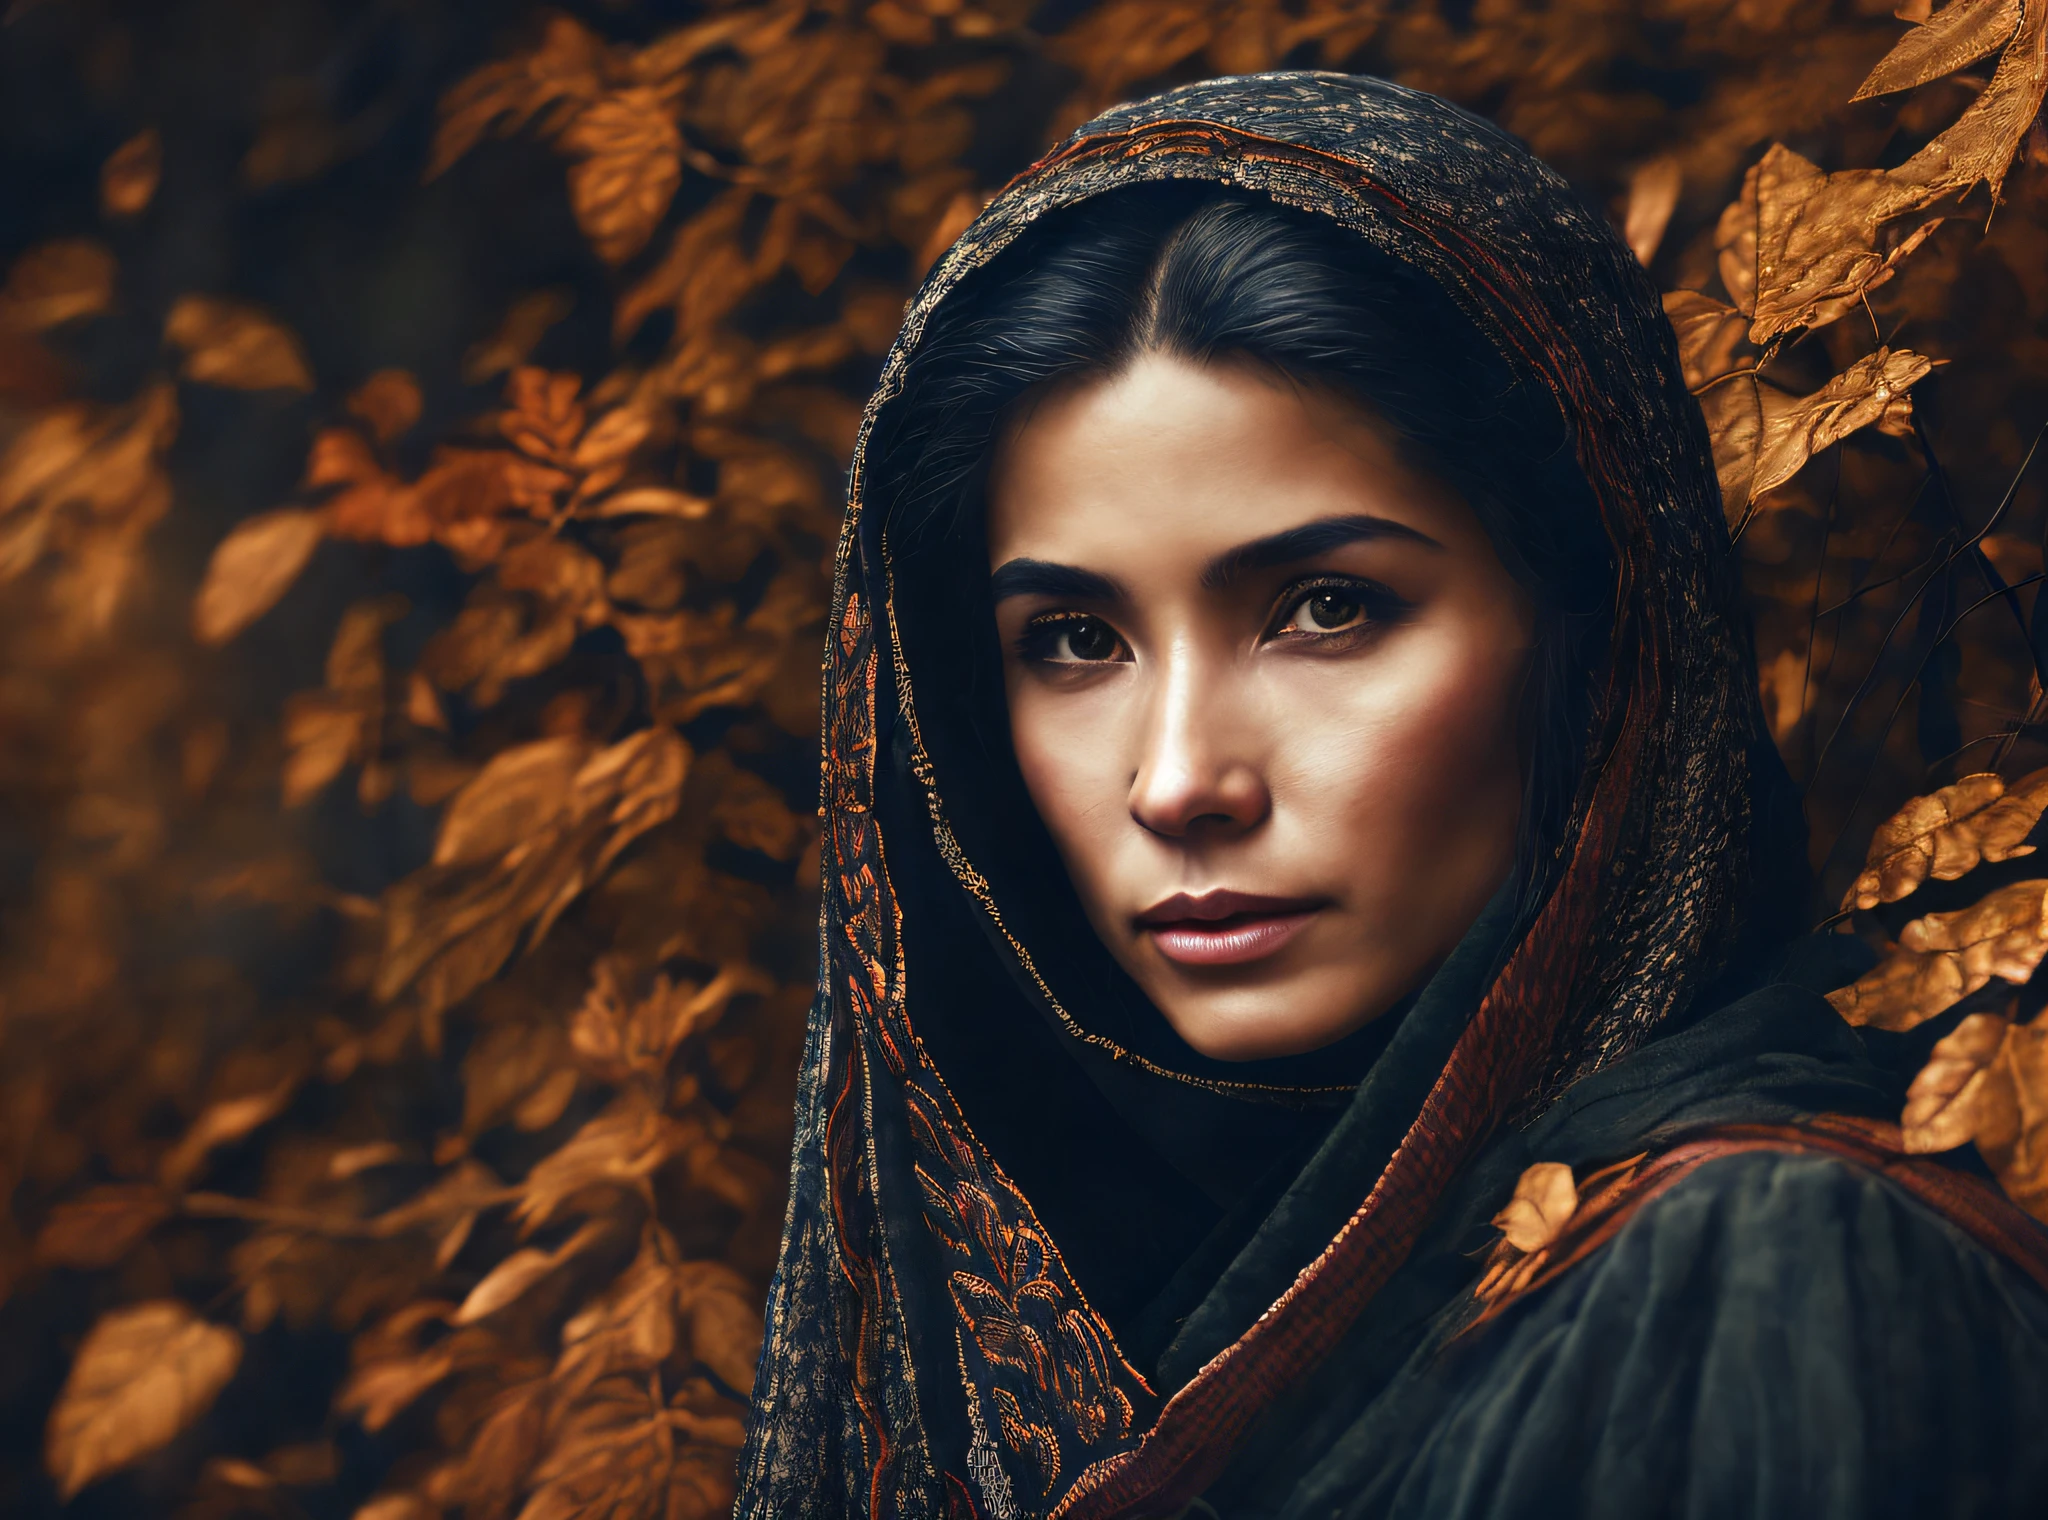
(1072, 640)
(1329, 611)
(1320, 610)
(1089, 639)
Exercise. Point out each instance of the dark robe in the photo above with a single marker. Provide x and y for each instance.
(1042, 1259)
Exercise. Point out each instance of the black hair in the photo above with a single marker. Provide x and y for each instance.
(1209, 273)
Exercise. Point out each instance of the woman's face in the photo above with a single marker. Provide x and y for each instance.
(1263, 679)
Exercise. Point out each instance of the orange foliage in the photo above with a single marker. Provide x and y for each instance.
(407, 936)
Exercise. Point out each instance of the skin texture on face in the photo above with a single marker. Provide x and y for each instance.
(1263, 678)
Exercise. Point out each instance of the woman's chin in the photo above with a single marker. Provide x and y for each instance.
(1263, 1024)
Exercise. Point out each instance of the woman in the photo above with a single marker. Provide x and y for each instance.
(1294, 792)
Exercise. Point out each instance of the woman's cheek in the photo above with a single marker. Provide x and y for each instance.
(1415, 776)
(1068, 753)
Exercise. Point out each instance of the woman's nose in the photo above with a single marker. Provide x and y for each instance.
(1195, 770)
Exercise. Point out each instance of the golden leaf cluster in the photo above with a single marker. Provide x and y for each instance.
(1948, 833)
(1944, 957)
(145, 1372)
(411, 680)
(1985, 1082)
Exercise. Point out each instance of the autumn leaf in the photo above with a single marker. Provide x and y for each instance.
(234, 344)
(1763, 436)
(547, 1102)
(251, 569)
(399, 1506)
(1986, 1083)
(1824, 241)
(1947, 833)
(1944, 957)
(57, 282)
(128, 179)
(1956, 1095)
(621, 1147)
(2020, 1162)
(355, 656)
(356, 1159)
(566, 578)
(542, 417)
(1735, 243)
(103, 462)
(630, 1327)
(388, 403)
(629, 163)
(753, 816)
(1652, 196)
(456, 922)
(620, 1452)
(513, 1276)
(379, 1391)
(321, 736)
(612, 1455)
(1869, 393)
(1979, 146)
(224, 1121)
(651, 501)
(509, 1066)
(524, 325)
(724, 1315)
(1788, 690)
(556, 78)
(513, 797)
(1544, 1202)
(1709, 336)
(101, 1226)
(1959, 34)
(143, 1374)
(703, 275)
(491, 1472)
(619, 1037)
(372, 503)
(464, 1191)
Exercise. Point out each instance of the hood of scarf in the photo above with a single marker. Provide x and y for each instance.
(1040, 1257)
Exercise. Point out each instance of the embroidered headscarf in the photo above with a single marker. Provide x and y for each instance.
(942, 1332)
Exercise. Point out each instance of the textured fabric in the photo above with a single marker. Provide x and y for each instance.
(1610, 1198)
(1778, 1338)
(1743, 1347)
(995, 1296)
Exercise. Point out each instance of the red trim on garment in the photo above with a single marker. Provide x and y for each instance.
(1976, 1207)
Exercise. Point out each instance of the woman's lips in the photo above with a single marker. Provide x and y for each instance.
(1225, 928)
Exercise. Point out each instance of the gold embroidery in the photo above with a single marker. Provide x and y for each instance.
(1054, 1382)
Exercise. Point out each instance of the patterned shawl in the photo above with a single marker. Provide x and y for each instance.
(930, 1350)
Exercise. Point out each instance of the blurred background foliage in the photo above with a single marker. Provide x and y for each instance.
(421, 433)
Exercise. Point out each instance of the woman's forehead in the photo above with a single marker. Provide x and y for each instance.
(1197, 460)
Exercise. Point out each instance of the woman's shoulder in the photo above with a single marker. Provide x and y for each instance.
(1777, 1331)
(1840, 1239)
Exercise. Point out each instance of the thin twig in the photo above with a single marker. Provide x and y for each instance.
(1940, 638)
(1857, 593)
(1863, 688)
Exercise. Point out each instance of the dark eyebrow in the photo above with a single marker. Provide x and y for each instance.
(1040, 577)
(1306, 542)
